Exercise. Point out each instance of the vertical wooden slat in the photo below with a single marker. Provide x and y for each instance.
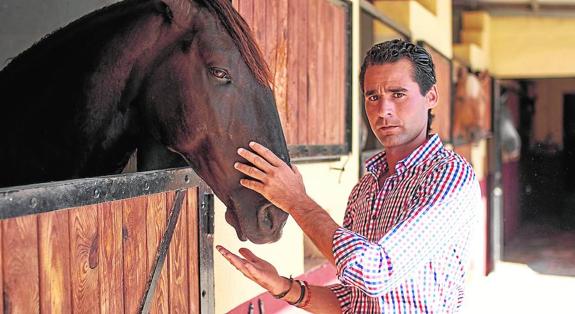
(292, 72)
(270, 25)
(302, 30)
(193, 249)
(20, 256)
(322, 73)
(135, 252)
(313, 69)
(246, 9)
(280, 51)
(178, 261)
(84, 259)
(156, 221)
(235, 3)
(332, 74)
(342, 74)
(54, 254)
(111, 257)
(259, 24)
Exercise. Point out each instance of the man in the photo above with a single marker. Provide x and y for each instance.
(403, 244)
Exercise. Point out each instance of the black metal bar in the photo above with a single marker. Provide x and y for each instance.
(45, 197)
(161, 253)
(205, 254)
(318, 151)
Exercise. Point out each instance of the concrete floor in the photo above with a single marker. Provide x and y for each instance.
(537, 274)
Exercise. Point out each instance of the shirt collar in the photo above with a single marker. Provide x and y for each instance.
(378, 163)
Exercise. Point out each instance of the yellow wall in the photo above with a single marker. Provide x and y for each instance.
(324, 185)
(548, 120)
(532, 47)
(433, 28)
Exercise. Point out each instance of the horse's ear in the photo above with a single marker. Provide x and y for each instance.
(165, 11)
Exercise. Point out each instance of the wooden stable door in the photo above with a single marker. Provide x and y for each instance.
(98, 258)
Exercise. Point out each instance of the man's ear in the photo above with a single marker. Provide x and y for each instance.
(432, 97)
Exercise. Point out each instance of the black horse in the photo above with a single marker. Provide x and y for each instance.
(181, 81)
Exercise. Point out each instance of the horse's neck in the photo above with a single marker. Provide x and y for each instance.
(76, 120)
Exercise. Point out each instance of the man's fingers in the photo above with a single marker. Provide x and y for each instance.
(235, 260)
(295, 170)
(250, 171)
(255, 159)
(253, 185)
(267, 154)
(249, 255)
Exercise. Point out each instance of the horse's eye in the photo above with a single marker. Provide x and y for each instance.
(220, 74)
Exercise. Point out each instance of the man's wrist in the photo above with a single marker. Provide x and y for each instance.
(283, 286)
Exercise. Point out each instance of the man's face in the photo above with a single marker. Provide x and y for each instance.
(396, 110)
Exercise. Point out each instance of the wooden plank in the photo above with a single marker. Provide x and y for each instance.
(341, 52)
(235, 3)
(178, 263)
(84, 259)
(136, 271)
(111, 269)
(291, 128)
(270, 25)
(332, 74)
(313, 69)
(259, 24)
(156, 220)
(323, 88)
(54, 254)
(302, 30)
(20, 262)
(193, 250)
(246, 9)
(280, 51)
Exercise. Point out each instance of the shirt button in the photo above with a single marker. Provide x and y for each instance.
(373, 217)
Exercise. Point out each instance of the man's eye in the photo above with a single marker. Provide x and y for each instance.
(398, 95)
(373, 98)
(220, 73)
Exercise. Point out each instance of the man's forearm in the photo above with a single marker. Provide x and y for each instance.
(318, 225)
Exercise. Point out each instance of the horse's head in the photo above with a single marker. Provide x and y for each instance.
(470, 105)
(206, 95)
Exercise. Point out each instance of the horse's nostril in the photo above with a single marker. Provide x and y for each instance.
(268, 220)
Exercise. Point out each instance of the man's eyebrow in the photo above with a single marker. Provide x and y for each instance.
(397, 89)
(371, 92)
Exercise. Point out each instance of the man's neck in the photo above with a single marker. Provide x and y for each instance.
(395, 154)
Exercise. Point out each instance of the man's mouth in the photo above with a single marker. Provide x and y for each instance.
(232, 219)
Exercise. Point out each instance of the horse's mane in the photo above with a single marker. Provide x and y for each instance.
(240, 32)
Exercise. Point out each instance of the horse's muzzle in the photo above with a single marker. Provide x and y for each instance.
(271, 221)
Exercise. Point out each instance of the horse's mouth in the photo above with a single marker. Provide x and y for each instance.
(232, 219)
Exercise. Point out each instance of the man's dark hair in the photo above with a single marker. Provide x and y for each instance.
(395, 50)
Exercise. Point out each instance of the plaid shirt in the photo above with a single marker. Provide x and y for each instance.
(403, 246)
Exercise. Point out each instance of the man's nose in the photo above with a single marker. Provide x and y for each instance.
(386, 107)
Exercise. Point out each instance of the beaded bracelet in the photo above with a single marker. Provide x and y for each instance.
(283, 294)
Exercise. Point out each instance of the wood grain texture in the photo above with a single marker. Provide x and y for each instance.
(302, 31)
(312, 73)
(20, 262)
(111, 268)
(54, 254)
(280, 52)
(193, 250)
(291, 126)
(178, 261)
(259, 24)
(156, 220)
(84, 259)
(136, 271)
(246, 9)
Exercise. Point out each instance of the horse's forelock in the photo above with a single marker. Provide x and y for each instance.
(242, 36)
